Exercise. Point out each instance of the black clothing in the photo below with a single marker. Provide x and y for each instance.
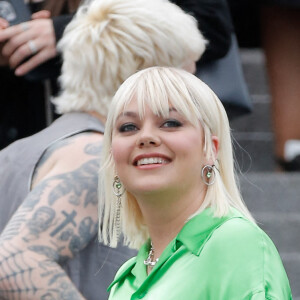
(214, 22)
(23, 98)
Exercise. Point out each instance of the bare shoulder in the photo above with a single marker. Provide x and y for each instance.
(67, 155)
(60, 212)
(56, 220)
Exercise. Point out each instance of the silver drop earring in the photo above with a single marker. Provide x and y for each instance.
(208, 174)
(118, 190)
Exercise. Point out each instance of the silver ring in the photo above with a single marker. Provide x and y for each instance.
(24, 26)
(32, 47)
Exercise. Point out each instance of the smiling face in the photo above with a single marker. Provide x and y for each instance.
(163, 127)
(158, 153)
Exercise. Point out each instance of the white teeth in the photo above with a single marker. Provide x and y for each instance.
(151, 160)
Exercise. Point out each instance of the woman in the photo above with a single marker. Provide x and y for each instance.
(170, 188)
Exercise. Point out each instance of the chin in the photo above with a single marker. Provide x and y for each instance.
(148, 189)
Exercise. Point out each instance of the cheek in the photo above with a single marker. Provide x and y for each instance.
(117, 153)
(190, 148)
(189, 145)
(121, 151)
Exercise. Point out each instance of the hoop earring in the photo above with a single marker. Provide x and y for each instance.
(118, 190)
(208, 174)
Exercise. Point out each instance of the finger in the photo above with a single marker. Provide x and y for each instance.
(11, 31)
(42, 14)
(23, 52)
(17, 41)
(3, 23)
(33, 62)
(3, 60)
(7, 33)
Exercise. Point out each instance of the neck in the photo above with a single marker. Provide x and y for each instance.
(96, 115)
(166, 215)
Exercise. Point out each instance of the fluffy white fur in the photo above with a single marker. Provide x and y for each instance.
(109, 40)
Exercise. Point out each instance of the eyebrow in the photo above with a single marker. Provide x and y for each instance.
(127, 114)
(135, 115)
(172, 109)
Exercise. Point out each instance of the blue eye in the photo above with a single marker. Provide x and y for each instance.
(127, 127)
(171, 123)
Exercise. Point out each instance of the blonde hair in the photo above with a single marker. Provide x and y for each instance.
(157, 88)
(109, 40)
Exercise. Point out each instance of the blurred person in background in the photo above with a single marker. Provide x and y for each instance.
(26, 110)
(49, 216)
(274, 25)
(29, 49)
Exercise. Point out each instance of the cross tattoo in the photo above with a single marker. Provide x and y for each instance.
(69, 219)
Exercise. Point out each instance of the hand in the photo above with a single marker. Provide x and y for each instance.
(3, 24)
(34, 39)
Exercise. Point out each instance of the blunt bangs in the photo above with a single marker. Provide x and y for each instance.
(159, 89)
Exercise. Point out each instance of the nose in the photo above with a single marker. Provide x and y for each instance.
(148, 138)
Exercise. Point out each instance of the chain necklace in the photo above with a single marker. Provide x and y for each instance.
(149, 261)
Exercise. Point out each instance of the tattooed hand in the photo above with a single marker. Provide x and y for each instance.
(57, 219)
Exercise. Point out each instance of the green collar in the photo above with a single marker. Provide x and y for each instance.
(200, 228)
(193, 235)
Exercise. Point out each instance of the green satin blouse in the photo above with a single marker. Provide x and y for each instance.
(226, 258)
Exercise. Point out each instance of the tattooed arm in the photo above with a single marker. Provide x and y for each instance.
(57, 219)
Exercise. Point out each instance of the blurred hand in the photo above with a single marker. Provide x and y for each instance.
(3, 24)
(34, 39)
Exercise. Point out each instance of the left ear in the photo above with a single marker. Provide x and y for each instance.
(215, 148)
